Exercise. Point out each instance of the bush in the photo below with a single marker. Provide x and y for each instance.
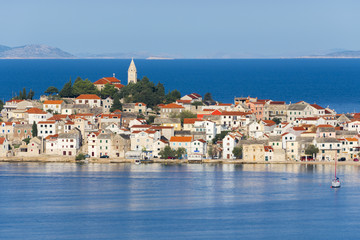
(80, 156)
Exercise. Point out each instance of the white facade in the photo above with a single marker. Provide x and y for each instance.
(229, 142)
(132, 73)
(46, 128)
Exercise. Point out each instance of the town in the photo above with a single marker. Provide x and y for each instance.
(98, 124)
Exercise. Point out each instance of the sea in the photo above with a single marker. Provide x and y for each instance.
(175, 201)
(328, 82)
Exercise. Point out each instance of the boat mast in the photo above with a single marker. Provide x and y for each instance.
(335, 163)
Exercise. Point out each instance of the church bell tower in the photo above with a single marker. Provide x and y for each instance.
(132, 73)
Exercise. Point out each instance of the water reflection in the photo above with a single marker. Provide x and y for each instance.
(106, 201)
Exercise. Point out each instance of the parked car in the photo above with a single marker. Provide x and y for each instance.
(342, 159)
(356, 159)
(104, 156)
(87, 156)
(308, 158)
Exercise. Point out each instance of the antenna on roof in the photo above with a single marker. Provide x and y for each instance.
(113, 74)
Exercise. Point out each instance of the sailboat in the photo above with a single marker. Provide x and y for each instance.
(335, 183)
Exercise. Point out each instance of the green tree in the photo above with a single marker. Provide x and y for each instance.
(23, 94)
(167, 152)
(172, 96)
(197, 103)
(26, 140)
(277, 120)
(151, 119)
(311, 150)
(211, 151)
(34, 130)
(208, 97)
(30, 95)
(180, 152)
(145, 91)
(220, 136)
(1, 105)
(116, 104)
(66, 91)
(183, 114)
(83, 87)
(51, 90)
(160, 90)
(108, 91)
(80, 156)
(237, 151)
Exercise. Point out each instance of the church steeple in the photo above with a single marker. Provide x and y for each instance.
(132, 73)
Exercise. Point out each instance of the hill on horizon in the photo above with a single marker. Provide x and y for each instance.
(33, 51)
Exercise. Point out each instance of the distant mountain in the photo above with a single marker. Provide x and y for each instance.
(4, 48)
(337, 54)
(345, 54)
(114, 55)
(33, 51)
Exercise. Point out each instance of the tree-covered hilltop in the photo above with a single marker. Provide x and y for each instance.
(23, 95)
(147, 92)
(143, 91)
(79, 87)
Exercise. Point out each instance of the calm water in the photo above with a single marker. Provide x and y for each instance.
(124, 201)
(324, 81)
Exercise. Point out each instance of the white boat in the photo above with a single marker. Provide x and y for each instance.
(137, 161)
(335, 183)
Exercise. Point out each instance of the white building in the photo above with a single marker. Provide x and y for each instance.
(69, 143)
(53, 106)
(92, 100)
(229, 142)
(36, 115)
(132, 73)
(46, 128)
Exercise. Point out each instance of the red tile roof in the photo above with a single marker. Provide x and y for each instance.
(223, 104)
(106, 80)
(53, 102)
(35, 111)
(277, 103)
(180, 139)
(112, 79)
(267, 148)
(316, 106)
(2, 140)
(183, 101)
(118, 85)
(299, 128)
(351, 139)
(172, 105)
(137, 104)
(235, 113)
(101, 81)
(52, 136)
(14, 101)
(47, 122)
(191, 120)
(7, 123)
(325, 126)
(88, 96)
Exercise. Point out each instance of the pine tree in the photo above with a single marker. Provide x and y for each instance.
(66, 91)
(34, 130)
(116, 104)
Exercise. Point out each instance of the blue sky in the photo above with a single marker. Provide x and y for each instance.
(190, 29)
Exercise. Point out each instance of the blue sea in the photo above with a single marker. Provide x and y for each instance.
(161, 202)
(327, 82)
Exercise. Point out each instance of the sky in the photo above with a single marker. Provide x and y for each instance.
(184, 29)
